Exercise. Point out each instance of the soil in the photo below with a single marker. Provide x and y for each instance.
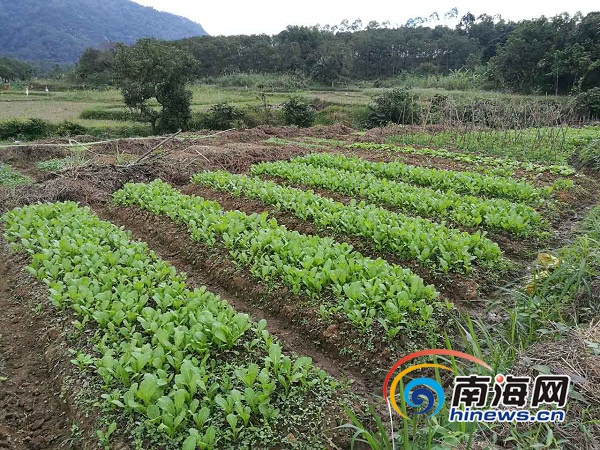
(32, 413)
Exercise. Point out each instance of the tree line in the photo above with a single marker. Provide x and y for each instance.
(557, 55)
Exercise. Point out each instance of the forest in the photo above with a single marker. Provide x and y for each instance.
(557, 55)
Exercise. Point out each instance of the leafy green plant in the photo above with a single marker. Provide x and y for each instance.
(409, 237)
(462, 182)
(516, 218)
(168, 357)
(10, 177)
(364, 289)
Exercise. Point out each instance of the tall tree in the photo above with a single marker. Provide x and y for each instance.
(158, 70)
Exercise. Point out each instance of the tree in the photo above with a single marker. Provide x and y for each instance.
(158, 70)
(13, 69)
(327, 70)
(95, 65)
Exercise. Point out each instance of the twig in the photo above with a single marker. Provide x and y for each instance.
(149, 152)
(208, 135)
(209, 160)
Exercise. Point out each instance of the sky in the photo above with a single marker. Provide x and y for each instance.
(271, 16)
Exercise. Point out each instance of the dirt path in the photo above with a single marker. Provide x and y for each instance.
(32, 413)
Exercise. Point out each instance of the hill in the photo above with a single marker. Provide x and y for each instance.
(59, 30)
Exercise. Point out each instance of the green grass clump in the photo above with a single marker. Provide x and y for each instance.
(10, 177)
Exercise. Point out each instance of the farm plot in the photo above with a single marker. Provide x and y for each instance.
(182, 361)
(430, 243)
(353, 268)
(494, 164)
(362, 289)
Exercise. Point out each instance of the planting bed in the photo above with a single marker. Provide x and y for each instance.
(315, 259)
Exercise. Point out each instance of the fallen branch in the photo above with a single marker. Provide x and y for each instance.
(149, 152)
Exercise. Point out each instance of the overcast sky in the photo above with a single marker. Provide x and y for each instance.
(271, 16)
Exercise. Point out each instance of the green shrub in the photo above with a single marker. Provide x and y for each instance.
(398, 106)
(588, 103)
(70, 129)
(221, 117)
(25, 130)
(589, 155)
(296, 111)
(121, 115)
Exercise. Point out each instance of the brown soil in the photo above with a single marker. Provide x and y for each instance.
(32, 413)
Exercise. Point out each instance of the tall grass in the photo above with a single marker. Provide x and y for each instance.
(546, 144)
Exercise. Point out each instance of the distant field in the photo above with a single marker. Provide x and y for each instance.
(60, 106)
(68, 105)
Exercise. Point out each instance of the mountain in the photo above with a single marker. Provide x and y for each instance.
(60, 30)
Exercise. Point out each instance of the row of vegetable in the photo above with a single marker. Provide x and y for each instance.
(492, 165)
(516, 218)
(182, 362)
(339, 279)
(430, 243)
(471, 158)
(447, 180)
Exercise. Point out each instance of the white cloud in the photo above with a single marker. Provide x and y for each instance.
(270, 16)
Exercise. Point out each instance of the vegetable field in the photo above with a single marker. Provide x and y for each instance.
(246, 290)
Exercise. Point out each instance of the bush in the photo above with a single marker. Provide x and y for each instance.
(263, 81)
(121, 115)
(297, 112)
(70, 129)
(398, 106)
(221, 117)
(588, 103)
(24, 129)
(348, 115)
